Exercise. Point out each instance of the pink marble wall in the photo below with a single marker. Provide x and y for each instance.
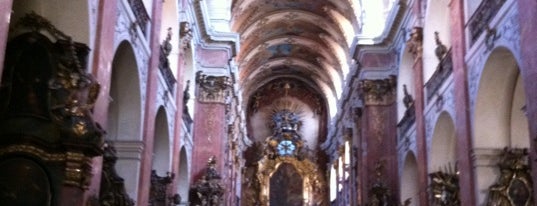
(212, 57)
(102, 61)
(377, 60)
(379, 142)
(528, 66)
(209, 138)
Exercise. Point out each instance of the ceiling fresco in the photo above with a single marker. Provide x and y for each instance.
(299, 42)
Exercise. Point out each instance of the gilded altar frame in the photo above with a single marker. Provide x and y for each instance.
(305, 168)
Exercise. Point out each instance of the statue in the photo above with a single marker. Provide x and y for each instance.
(415, 43)
(407, 99)
(186, 93)
(166, 45)
(441, 49)
(208, 190)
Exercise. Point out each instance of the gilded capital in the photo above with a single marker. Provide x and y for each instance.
(378, 91)
(415, 43)
(212, 89)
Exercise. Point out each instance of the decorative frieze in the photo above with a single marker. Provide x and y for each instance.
(378, 91)
(140, 12)
(212, 89)
(481, 18)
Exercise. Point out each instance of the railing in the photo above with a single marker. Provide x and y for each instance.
(166, 71)
(443, 70)
(408, 120)
(482, 16)
(142, 17)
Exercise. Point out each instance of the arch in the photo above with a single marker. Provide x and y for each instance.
(499, 119)
(161, 147)
(183, 176)
(125, 116)
(410, 180)
(405, 77)
(125, 108)
(442, 153)
(437, 20)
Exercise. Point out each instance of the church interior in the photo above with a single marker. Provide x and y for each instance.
(268, 102)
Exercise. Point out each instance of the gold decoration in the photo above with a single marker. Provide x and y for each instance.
(514, 185)
(34, 151)
(378, 91)
(212, 89)
(313, 183)
(445, 188)
(77, 170)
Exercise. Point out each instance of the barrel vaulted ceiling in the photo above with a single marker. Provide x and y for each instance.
(303, 40)
(301, 44)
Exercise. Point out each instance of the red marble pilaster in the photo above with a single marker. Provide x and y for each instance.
(5, 14)
(415, 46)
(528, 67)
(462, 113)
(176, 157)
(102, 60)
(150, 107)
(379, 142)
(209, 138)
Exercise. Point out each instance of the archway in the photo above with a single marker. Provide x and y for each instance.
(442, 153)
(125, 116)
(409, 180)
(161, 146)
(499, 119)
(183, 176)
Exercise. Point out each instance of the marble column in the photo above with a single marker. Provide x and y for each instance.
(415, 46)
(209, 134)
(379, 141)
(462, 111)
(151, 105)
(528, 67)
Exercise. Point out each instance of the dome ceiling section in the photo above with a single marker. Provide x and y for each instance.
(258, 27)
(256, 85)
(290, 29)
(300, 52)
(319, 87)
(244, 11)
(291, 65)
(311, 45)
(264, 49)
